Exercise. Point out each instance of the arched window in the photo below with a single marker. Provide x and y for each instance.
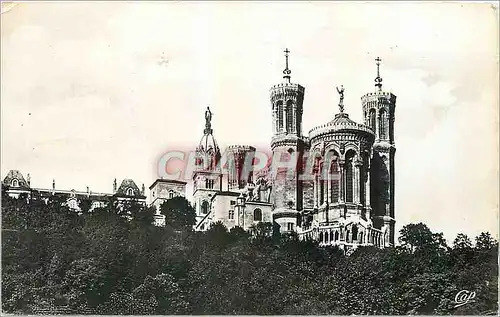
(347, 238)
(361, 237)
(334, 179)
(331, 235)
(257, 215)
(204, 207)
(321, 236)
(14, 183)
(336, 236)
(349, 177)
(383, 124)
(372, 119)
(354, 232)
(289, 116)
(73, 204)
(170, 194)
(130, 192)
(279, 109)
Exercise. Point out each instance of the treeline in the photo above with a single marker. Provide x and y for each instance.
(113, 260)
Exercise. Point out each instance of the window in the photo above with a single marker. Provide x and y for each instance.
(279, 109)
(334, 183)
(372, 119)
(289, 116)
(354, 233)
(204, 207)
(231, 214)
(257, 215)
(349, 177)
(15, 183)
(170, 194)
(209, 183)
(336, 236)
(383, 124)
(130, 192)
(289, 227)
(233, 202)
(73, 204)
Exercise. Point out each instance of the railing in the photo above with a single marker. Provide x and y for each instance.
(336, 235)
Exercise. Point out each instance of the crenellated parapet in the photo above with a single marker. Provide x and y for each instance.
(239, 158)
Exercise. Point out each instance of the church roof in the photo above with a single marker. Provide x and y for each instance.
(341, 123)
(208, 144)
(15, 175)
(128, 187)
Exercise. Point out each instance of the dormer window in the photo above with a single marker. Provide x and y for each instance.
(130, 192)
(73, 204)
(14, 183)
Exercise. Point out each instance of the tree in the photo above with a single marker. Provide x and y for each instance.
(485, 242)
(179, 214)
(418, 237)
(462, 241)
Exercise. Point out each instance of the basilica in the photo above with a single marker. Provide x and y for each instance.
(347, 201)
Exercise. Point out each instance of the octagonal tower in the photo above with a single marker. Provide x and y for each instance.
(379, 112)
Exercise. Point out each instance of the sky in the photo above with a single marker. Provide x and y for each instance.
(92, 91)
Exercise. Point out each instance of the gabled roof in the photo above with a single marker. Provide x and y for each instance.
(15, 175)
(127, 186)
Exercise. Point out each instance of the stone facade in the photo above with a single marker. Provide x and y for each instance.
(162, 190)
(348, 200)
(15, 185)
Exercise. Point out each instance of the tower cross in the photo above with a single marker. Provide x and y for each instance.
(378, 79)
(287, 71)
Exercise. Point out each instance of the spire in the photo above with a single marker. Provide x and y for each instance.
(341, 102)
(287, 71)
(208, 122)
(378, 80)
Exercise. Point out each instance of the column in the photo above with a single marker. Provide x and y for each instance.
(315, 190)
(341, 181)
(358, 165)
(326, 188)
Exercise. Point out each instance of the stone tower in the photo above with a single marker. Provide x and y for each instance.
(207, 177)
(378, 109)
(240, 158)
(287, 146)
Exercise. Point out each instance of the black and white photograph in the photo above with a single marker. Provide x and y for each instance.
(249, 158)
